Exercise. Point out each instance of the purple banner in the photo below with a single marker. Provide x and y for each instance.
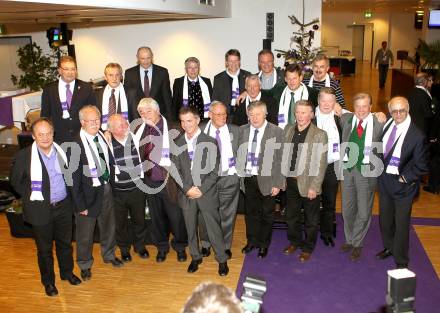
(231, 162)
(185, 102)
(166, 153)
(281, 118)
(191, 155)
(394, 161)
(335, 147)
(94, 172)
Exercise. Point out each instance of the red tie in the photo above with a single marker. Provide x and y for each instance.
(360, 129)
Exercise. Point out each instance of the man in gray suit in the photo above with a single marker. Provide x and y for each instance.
(259, 161)
(228, 185)
(361, 131)
(305, 167)
(196, 159)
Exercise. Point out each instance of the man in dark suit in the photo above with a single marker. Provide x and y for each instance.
(229, 84)
(228, 185)
(420, 102)
(196, 160)
(293, 92)
(253, 91)
(192, 90)
(156, 136)
(404, 158)
(62, 100)
(259, 162)
(306, 144)
(112, 98)
(37, 176)
(147, 80)
(362, 131)
(92, 193)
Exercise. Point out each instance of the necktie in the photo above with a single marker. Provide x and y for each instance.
(103, 165)
(68, 96)
(360, 129)
(146, 85)
(291, 119)
(217, 138)
(390, 141)
(253, 157)
(112, 104)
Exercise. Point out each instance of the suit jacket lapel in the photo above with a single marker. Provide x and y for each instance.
(154, 81)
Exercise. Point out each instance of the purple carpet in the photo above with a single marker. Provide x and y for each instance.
(331, 282)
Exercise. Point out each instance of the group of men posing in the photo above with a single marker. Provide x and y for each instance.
(251, 136)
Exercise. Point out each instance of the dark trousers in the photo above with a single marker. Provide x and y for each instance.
(295, 202)
(85, 227)
(59, 229)
(130, 202)
(383, 71)
(259, 214)
(395, 204)
(166, 218)
(328, 199)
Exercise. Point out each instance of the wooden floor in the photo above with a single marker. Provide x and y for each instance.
(144, 285)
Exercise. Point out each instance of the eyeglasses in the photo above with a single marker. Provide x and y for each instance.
(400, 111)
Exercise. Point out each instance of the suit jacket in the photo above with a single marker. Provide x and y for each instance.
(34, 212)
(420, 109)
(99, 95)
(346, 120)
(315, 159)
(159, 90)
(413, 158)
(269, 171)
(222, 90)
(241, 118)
(66, 129)
(85, 195)
(234, 132)
(187, 177)
(178, 94)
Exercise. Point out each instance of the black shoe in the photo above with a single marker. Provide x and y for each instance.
(143, 254)
(51, 290)
(248, 248)
(115, 262)
(86, 274)
(73, 279)
(206, 252)
(262, 252)
(228, 253)
(431, 189)
(382, 255)
(126, 257)
(161, 256)
(181, 256)
(194, 266)
(328, 241)
(223, 269)
(401, 265)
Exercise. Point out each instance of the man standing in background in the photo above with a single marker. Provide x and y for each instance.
(383, 58)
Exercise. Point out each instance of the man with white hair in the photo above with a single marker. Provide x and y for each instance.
(112, 98)
(92, 194)
(192, 90)
(404, 157)
(154, 149)
(128, 196)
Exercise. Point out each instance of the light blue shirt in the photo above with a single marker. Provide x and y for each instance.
(150, 75)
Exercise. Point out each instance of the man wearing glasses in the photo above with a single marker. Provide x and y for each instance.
(404, 157)
(62, 100)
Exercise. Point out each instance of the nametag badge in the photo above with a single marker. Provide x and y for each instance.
(281, 119)
(394, 161)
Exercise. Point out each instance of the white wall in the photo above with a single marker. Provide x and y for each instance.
(396, 28)
(173, 42)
